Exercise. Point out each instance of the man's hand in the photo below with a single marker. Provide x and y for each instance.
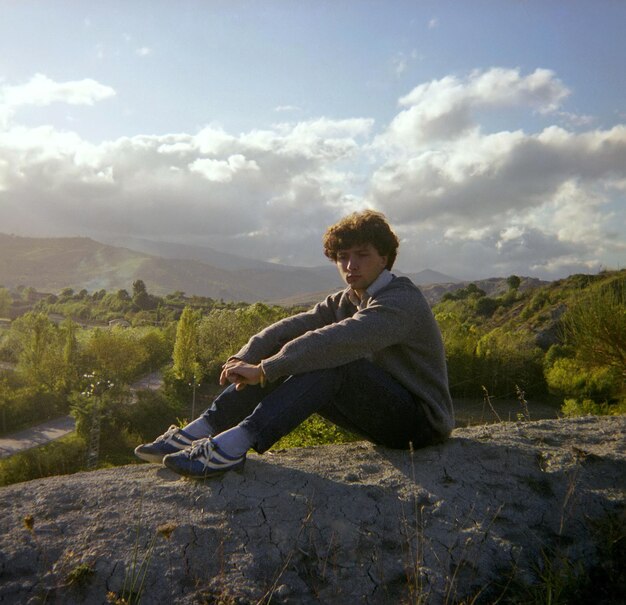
(240, 373)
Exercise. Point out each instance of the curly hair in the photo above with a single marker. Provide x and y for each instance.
(358, 228)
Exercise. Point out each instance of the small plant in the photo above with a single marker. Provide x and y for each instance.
(29, 524)
(525, 414)
(487, 400)
(135, 576)
(558, 581)
(80, 576)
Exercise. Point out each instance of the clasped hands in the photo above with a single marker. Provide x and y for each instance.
(240, 373)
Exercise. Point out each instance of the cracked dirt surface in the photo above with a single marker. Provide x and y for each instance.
(334, 524)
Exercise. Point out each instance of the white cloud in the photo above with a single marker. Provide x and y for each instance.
(286, 108)
(262, 191)
(41, 90)
(534, 201)
(222, 171)
(465, 201)
(144, 51)
(505, 200)
(444, 109)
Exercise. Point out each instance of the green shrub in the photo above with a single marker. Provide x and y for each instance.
(486, 306)
(570, 378)
(150, 415)
(23, 406)
(588, 407)
(595, 325)
(506, 359)
(315, 430)
(61, 457)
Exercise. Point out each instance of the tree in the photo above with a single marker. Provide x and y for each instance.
(39, 357)
(115, 355)
(513, 281)
(141, 298)
(70, 354)
(595, 325)
(186, 345)
(29, 294)
(158, 348)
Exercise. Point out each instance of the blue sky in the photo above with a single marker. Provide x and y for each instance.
(491, 133)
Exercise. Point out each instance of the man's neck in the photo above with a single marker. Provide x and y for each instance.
(359, 293)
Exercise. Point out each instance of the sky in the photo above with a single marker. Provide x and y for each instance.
(492, 134)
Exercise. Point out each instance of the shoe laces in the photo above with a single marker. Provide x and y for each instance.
(202, 447)
(169, 433)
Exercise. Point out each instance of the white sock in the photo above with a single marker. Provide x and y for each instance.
(234, 442)
(199, 428)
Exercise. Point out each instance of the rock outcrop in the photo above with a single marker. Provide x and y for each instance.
(338, 524)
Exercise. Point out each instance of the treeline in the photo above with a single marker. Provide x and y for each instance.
(136, 307)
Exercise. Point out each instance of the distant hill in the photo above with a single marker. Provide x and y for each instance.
(204, 254)
(50, 264)
(224, 260)
(428, 276)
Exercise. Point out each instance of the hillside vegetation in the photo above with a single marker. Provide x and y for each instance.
(567, 338)
(79, 352)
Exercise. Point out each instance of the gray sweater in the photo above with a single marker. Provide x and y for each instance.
(394, 328)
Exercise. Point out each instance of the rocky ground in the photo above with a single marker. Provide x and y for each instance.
(334, 525)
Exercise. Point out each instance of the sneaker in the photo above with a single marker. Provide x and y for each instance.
(173, 440)
(202, 460)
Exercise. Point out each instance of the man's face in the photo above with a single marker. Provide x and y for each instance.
(360, 265)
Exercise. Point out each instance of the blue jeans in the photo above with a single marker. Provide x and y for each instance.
(359, 397)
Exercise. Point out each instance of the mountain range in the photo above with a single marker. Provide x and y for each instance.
(50, 264)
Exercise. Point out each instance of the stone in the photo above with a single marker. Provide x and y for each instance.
(337, 524)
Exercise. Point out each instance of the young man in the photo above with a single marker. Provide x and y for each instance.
(369, 358)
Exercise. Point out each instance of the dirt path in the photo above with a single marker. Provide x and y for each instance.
(36, 435)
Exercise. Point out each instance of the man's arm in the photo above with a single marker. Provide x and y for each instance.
(385, 322)
(271, 339)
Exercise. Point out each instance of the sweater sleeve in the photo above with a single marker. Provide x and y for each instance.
(381, 324)
(271, 339)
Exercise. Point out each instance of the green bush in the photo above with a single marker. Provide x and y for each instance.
(150, 415)
(486, 306)
(588, 407)
(506, 359)
(223, 331)
(61, 457)
(595, 325)
(315, 430)
(568, 377)
(23, 406)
